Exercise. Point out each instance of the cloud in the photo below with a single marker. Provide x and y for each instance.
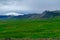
(28, 5)
(14, 5)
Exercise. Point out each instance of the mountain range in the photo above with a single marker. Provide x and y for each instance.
(45, 14)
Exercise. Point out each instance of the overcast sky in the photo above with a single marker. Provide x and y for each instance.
(29, 5)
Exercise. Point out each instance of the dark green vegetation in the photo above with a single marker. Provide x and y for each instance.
(30, 28)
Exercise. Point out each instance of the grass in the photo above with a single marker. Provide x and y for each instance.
(30, 28)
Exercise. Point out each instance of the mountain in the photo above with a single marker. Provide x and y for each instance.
(50, 14)
(45, 14)
(29, 16)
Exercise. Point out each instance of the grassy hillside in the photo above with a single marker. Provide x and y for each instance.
(30, 28)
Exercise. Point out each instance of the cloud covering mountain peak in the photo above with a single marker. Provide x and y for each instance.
(13, 14)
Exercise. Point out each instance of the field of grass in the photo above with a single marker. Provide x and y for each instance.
(30, 28)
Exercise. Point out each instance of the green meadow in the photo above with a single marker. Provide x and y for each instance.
(30, 28)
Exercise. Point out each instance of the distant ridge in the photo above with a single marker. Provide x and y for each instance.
(45, 14)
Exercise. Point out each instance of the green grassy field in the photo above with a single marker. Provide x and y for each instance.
(30, 28)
